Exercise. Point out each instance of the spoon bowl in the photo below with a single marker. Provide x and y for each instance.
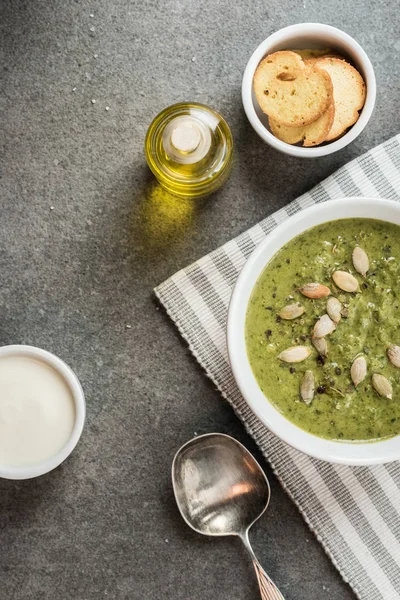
(221, 490)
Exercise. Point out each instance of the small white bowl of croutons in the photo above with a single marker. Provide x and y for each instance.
(309, 90)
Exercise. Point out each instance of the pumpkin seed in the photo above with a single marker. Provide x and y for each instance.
(382, 386)
(314, 290)
(345, 281)
(307, 387)
(292, 311)
(358, 370)
(333, 308)
(393, 353)
(360, 261)
(324, 326)
(321, 346)
(295, 354)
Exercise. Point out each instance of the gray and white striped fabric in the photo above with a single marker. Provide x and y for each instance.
(355, 512)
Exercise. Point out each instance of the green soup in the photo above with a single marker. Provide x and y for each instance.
(371, 322)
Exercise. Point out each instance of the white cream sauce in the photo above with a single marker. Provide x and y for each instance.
(37, 411)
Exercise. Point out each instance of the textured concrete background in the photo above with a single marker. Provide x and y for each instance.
(105, 525)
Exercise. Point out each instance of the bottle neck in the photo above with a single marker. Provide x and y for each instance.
(186, 140)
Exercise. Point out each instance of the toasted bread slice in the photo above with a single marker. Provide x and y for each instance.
(311, 135)
(313, 59)
(308, 53)
(348, 93)
(335, 55)
(291, 92)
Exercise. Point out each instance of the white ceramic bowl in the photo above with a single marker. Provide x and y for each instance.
(80, 410)
(308, 35)
(351, 453)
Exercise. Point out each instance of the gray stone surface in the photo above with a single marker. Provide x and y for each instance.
(105, 525)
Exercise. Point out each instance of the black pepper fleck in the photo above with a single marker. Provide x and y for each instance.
(321, 389)
(274, 295)
(292, 370)
(365, 285)
(278, 319)
(320, 359)
(303, 338)
(268, 333)
(268, 308)
(338, 371)
(288, 261)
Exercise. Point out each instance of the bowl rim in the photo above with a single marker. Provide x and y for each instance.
(349, 453)
(278, 38)
(29, 472)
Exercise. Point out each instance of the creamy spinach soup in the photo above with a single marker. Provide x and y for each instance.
(319, 390)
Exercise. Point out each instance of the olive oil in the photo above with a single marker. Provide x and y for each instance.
(189, 149)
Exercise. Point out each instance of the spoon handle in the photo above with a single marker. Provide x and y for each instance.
(268, 589)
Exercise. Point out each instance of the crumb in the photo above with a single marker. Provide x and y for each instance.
(195, 433)
(91, 15)
(93, 101)
(74, 89)
(95, 56)
(56, 161)
(92, 29)
(51, 207)
(107, 108)
(128, 326)
(166, 541)
(193, 59)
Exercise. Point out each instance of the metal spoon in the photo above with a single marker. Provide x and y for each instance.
(220, 490)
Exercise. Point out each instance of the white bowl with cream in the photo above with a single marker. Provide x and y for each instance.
(42, 411)
(310, 36)
(350, 453)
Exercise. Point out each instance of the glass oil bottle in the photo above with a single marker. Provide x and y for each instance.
(189, 148)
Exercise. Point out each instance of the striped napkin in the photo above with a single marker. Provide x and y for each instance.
(354, 511)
